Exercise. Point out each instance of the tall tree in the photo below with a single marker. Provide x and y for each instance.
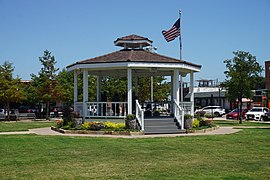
(11, 89)
(242, 72)
(64, 86)
(45, 82)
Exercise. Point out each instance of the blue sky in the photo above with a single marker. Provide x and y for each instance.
(79, 29)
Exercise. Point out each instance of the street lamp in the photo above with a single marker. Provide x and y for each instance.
(219, 89)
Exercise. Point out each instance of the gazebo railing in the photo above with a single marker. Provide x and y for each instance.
(106, 109)
(179, 114)
(186, 106)
(140, 115)
(157, 108)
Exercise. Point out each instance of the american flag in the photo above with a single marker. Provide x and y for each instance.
(173, 32)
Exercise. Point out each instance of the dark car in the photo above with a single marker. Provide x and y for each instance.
(234, 114)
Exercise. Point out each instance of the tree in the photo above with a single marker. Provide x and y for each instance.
(64, 86)
(11, 89)
(242, 72)
(45, 82)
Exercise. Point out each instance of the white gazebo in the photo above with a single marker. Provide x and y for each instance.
(132, 61)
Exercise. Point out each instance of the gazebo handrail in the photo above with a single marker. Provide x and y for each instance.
(179, 113)
(140, 114)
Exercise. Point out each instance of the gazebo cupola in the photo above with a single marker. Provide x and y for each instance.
(133, 42)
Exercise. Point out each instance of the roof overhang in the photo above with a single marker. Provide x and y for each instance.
(140, 68)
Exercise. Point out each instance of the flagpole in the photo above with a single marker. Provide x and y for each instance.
(180, 39)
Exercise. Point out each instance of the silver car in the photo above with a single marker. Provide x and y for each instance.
(257, 113)
(217, 111)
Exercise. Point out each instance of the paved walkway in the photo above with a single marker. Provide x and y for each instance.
(48, 131)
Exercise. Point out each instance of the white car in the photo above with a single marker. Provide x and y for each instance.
(256, 113)
(2, 111)
(218, 111)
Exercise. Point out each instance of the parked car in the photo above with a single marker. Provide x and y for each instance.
(257, 113)
(234, 114)
(2, 111)
(217, 111)
(266, 116)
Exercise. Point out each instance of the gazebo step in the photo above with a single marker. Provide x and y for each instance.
(161, 125)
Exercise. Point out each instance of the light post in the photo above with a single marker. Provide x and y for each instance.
(219, 100)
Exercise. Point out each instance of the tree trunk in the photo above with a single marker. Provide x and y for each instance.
(8, 110)
(48, 110)
(240, 110)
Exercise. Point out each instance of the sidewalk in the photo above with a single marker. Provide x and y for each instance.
(47, 131)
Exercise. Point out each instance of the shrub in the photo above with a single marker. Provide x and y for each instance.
(130, 116)
(188, 116)
(207, 123)
(69, 125)
(208, 115)
(195, 123)
(114, 126)
(86, 126)
(59, 123)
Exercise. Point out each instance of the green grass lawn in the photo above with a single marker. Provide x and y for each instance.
(244, 123)
(244, 155)
(24, 125)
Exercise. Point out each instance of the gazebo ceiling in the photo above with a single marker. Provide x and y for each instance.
(140, 60)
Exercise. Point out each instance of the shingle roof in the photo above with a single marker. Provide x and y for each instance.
(133, 41)
(132, 37)
(133, 55)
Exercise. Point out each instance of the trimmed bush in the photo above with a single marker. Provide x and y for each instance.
(195, 123)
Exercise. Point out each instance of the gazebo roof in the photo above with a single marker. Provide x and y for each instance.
(133, 41)
(133, 55)
(142, 61)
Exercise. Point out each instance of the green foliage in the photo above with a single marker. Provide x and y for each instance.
(209, 115)
(114, 126)
(160, 86)
(93, 125)
(11, 89)
(188, 116)
(242, 75)
(195, 123)
(64, 86)
(44, 83)
(69, 125)
(130, 116)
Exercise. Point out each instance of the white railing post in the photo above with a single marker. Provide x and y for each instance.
(142, 120)
(179, 113)
(139, 114)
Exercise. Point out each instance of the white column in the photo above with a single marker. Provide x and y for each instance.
(85, 92)
(191, 90)
(182, 89)
(172, 97)
(176, 84)
(129, 92)
(75, 95)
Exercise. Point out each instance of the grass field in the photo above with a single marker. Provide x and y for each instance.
(236, 123)
(24, 125)
(244, 155)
